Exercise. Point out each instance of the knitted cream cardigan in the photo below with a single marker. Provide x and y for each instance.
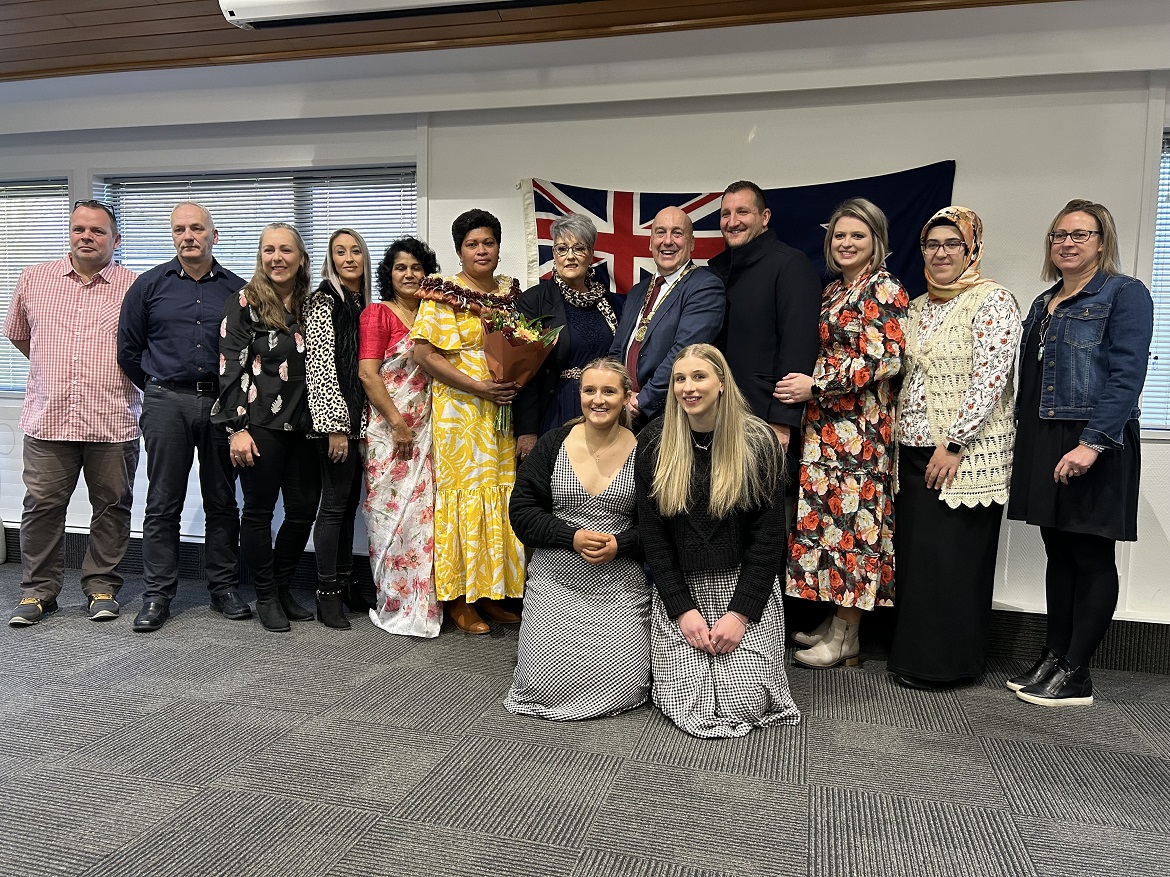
(946, 360)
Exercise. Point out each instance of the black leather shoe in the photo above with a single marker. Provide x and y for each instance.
(1064, 686)
(231, 605)
(915, 683)
(152, 616)
(1036, 672)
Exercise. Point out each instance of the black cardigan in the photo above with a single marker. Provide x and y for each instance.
(531, 506)
(545, 300)
(755, 540)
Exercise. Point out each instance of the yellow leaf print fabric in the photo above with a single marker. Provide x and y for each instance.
(476, 553)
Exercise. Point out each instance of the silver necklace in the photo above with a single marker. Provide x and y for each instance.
(705, 447)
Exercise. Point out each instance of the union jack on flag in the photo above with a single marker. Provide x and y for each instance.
(623, 219)
(621, 256)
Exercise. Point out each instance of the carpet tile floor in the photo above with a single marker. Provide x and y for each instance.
(212, 747)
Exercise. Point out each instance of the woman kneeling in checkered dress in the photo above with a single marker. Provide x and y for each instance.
(709, 481)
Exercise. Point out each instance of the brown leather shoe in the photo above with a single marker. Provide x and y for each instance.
(496, 612)
(466, 618)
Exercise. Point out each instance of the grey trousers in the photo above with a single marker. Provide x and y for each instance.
(51, 470)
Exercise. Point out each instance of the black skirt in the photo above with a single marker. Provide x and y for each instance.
(946, 572)
(1102, 502)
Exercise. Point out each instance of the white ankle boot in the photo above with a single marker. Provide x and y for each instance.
(815, 635)
(838, 646)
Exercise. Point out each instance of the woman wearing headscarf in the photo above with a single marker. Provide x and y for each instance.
(1084, 353)
(955, 435)
(574, 298)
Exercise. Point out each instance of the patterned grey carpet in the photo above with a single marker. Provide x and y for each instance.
(215, 748)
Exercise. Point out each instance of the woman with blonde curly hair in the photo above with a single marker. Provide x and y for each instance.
(262, 404)
(709, 480)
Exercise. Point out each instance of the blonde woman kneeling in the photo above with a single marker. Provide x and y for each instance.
(710, 510)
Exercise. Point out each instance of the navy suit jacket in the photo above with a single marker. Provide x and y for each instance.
(691, 314)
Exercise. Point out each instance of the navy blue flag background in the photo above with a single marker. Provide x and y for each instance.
(622, 255)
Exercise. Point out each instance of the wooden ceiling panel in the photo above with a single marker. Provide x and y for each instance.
(40, 38)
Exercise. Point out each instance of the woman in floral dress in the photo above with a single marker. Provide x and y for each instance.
(400, 486)
(478, 559)
(841, 547)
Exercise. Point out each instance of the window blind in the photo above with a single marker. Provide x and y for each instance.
(1156, 396)
(34, 227)
(378, 203)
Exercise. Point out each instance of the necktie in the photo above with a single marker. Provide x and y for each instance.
(640, 331)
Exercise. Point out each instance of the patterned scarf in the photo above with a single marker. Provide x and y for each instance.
(970, 228)
(592, 297)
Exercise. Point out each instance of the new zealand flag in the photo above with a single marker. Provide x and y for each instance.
(799, 213)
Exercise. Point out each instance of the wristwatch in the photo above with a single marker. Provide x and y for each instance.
(954, 448)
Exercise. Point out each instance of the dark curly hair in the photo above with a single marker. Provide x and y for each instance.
(467, 222)
(412, 246)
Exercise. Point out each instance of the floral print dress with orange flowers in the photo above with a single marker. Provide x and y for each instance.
(841, 547)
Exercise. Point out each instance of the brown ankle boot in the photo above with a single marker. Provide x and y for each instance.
(465, 617)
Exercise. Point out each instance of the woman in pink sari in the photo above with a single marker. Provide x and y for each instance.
(400, 486)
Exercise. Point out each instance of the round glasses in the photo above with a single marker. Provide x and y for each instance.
(1079, 235)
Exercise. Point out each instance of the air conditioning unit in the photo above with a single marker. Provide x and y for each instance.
(283, 13)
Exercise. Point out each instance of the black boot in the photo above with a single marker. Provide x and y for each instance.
(293, 610)
(329, 611)
(1036, 672)
(270, 611)
(1065, 685)
(356, 596)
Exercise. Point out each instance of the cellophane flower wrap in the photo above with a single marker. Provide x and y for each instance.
(515, 347)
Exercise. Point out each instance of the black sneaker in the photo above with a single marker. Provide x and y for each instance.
(1064, 686)
(1036, 673)
(30, 610)
(103, 607)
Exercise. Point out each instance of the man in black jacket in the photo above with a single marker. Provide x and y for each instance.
(773, 310)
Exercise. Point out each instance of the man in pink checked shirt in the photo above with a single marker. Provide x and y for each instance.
(80, 414)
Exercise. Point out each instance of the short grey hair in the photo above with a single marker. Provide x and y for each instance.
(576, 227)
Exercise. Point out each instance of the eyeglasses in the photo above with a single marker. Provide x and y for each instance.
(94, 204)
(562, 251)
(952, 246)
(1080, 235)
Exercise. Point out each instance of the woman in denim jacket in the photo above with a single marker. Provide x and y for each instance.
(1085, 346)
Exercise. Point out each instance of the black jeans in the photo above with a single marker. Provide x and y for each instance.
(341, 488)
(287, 466)
(1081, 590)
(175, 425)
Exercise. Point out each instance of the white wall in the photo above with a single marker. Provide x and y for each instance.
(1036, 104)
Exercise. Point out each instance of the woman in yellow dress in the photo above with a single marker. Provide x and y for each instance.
(478, 559)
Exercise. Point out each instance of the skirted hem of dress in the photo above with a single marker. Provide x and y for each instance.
(478, 555)
(946, 576)
(843, 578)
(728, 695)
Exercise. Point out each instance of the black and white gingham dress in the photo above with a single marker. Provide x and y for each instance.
(584, 647)
(721, 695)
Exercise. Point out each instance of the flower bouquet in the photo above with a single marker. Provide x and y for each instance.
(515, 347)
